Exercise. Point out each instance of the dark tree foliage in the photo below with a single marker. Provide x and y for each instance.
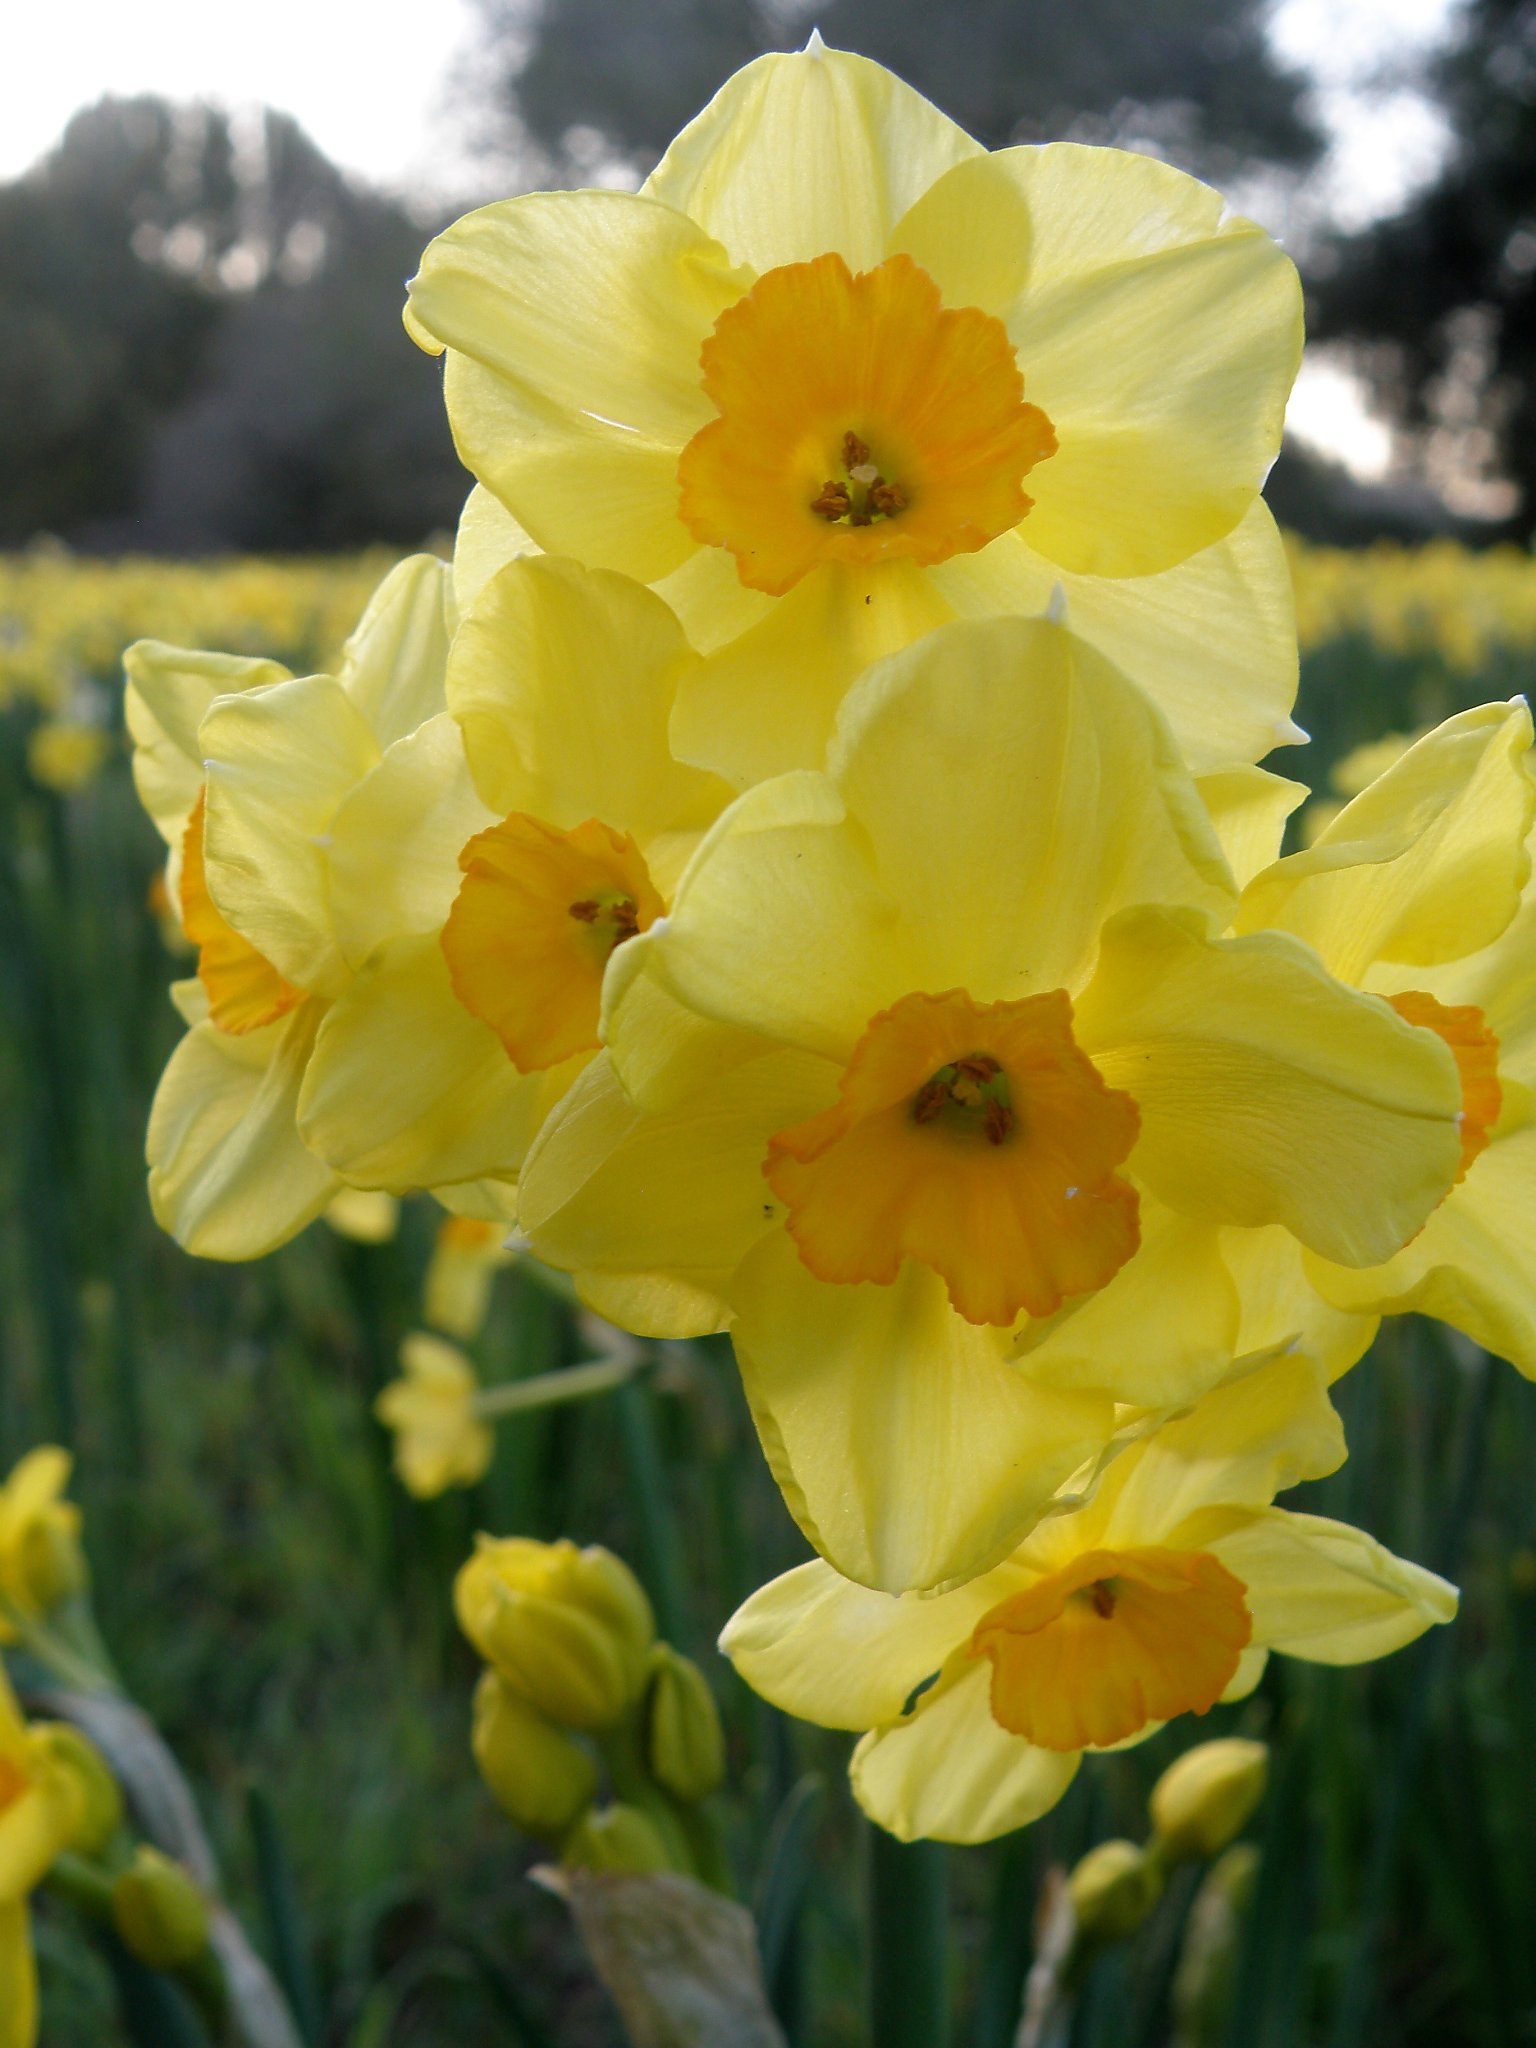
(1462, 257)
(1195, 75)
(203, 347)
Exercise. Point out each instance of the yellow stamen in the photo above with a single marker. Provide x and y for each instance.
(995, 1167)
(244, 989)
(861, 420)
(1114, 1640)
(537, 915)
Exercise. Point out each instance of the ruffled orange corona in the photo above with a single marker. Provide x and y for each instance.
(976, 1138)
(244, 989)
(861, 421)
(536, 917)
(1114, 1640)
(1476, 1052)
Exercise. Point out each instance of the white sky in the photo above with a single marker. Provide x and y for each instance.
(369, 82)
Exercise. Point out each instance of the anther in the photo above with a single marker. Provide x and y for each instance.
(1102, 1594)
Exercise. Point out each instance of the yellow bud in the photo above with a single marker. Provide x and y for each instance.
(98, 1802)
(158, 1911)
(1204, 1800)
(571, 1630)
(684, 1745)
(41, 1561)
(1113, 1889)
(539, 1778)
(616, 1838)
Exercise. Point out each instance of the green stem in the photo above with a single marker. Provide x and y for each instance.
(545, 1389)
(908, 1943)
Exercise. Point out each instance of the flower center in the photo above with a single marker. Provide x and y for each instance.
(994, 1167)
(1114, 1640)
(244, 989)
(860, 420)
(537, 915)
(1476, 1051)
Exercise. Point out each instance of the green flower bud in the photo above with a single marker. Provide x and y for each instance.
(1113, 1889)
(683, 1741)
(539, 1778)
(571, 1630)
(99, 1803)
(158, 1911)
(616, 1838)
(1204, 1800)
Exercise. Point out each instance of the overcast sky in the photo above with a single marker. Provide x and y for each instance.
(370, 82)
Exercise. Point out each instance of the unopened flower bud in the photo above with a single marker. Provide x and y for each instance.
(158, 1911)
(684, 1745)
(41, 1561)
(1113, 1889)
(616, 1838)
(95, 1796)
(1204, 1800)
(571, 1630)
(539, 1778)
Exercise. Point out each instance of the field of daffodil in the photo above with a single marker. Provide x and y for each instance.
(828, 1335)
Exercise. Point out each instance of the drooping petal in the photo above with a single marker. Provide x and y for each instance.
(407, 1090)
(1471, 1263)
(563, 679)
(229, 1175)
(574, 322)
(910, 1452)
(1212, 640)
(392, 667)
(828, 1651)
(800, 154)
(395, 841)
(280, 761)
(1324, 1591)
(1427, 865)
(1270, 1093)
(948, 1772)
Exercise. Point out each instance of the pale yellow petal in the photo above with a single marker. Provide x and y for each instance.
(909, 1451)
(488, 538)
(1282, 1306)
(1471, 1263)
(408, 1090)
(392, 667)
(1268, 1092)
(169, 690)
(563, 679)
(1426, 865)
(825, 1650)
(279, 763)
(800, 154)
(1324, 1591)
(1212, 641)
(949, 1773)
(396, 838)
(574, 322)
(1248, 808)
(229, 1175)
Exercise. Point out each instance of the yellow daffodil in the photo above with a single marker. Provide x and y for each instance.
(41, 1561)
(440, 1441)
(1420, 891)
(247, 772)
(1160, 1597)
(939, 1087)
(467, 1254)
(480, 947)
(837, 374)
(42, 1808)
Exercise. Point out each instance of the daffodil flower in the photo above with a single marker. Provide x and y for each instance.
(1160, 1597)
(42, 1804)
(1420, 891)
(837, 374)
(939, 1087)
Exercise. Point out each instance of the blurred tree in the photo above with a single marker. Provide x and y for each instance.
(1443, 295)
(203, 346)
(1194, 77)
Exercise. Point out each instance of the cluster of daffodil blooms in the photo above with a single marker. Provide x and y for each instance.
(1465, 606)
(804, 864)
(577, 1687)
